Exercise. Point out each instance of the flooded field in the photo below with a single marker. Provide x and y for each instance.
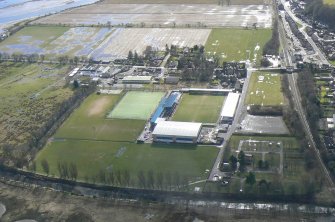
(12, 11)
(165, 15)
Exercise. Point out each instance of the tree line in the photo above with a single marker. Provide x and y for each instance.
(321, 12)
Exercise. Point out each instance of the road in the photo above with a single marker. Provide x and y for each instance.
(317, 50)
(241, 111)
(299, 108)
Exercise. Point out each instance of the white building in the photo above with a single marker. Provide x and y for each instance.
(229, 108)
(176, 132)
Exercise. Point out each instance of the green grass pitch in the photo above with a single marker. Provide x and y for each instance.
(89, 122)
(199, 108)
(92, 156)
(265, 89)
(236, 44)
(136, 105)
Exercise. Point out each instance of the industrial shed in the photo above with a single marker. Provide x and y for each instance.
(137, 79)
(176, 132)
(229, 108)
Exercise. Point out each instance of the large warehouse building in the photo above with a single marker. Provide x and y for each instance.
(176, 132)
(229, 108)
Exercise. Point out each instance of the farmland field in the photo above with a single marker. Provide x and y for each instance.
(121, 41)
(55, 40)
(91, 157)
(29, 95)
(31, 39)
(199, 108)
(329, 2)
(89, 122)
(237, 44)
(79, 41)
(136, 105)
(165, 15)
(265, 90)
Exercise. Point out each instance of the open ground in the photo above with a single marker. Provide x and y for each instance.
(89, 122)
(165, 15)
(237, 44)
(136, 105)
(121, 41)
(329, 2)
(29, 95)
(91, 157)
(265, 90)
(199, 108)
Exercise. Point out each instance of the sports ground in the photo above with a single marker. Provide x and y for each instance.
(237, 44)
(265, 90)
(199, 108)
(98, 144)
(136, 105)
(89, 123)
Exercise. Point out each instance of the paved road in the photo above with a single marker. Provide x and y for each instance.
(321, 55)
(241, 111)
(298, 107)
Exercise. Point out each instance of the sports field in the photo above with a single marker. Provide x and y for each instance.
(89, 122)
(136, 105)
(231, 44)
(91, 157)
(199, 108)
(265, 90)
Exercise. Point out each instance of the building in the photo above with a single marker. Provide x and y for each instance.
(229, 108)
(137, 79)
(176, 132)
(206, 91)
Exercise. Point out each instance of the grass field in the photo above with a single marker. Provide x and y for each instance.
(265, 90)
(32, 39)
(329, 2)
(29, 95)
(88, 122)
(199, 108)
(93, 156)
(235, 44)
(136, 105)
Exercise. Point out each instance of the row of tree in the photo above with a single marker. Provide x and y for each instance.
(272, 46)
(322, 12)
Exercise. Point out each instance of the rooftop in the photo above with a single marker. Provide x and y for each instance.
(173, 128)
(230, 105)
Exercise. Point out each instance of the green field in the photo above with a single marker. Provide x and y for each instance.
(136, 105)
(265, 92)
(199, 108)
(329, 2)
(233, 44)
(30, 94)
(93, 156)
(89, 122)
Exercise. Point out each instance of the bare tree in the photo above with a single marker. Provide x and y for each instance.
(141, 179)
(45, 166)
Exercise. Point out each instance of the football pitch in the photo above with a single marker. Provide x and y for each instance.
(92, 157)
(136, 105)
(199, 108)
(89, 122)
(265, 90)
